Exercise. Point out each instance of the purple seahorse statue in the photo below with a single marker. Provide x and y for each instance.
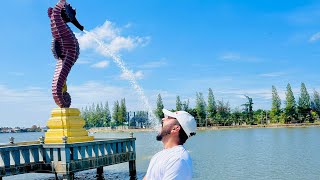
(65, 48)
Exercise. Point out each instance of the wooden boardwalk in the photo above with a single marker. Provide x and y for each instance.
(67, 158)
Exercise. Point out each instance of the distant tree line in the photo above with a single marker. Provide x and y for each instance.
(307, 109)
(96, 115)
(214, 112)
(211, 112)
(99, 115)
(218, 112)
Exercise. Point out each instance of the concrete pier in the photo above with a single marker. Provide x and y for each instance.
(67, 158)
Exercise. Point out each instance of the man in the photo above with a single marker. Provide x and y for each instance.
(174, 161)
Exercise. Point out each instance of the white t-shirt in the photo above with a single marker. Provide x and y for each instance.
(168, 164)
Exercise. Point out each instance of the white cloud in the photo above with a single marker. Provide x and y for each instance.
(25, 107)
(315, 37)
(101, 64)
(32, 105)
(13, 96)
(154, 64)
(119, 43)
(235, 57)
(230, 56)
(82, 61)
(128, 25)
(273, 74)
(129, 75)
(111, 36)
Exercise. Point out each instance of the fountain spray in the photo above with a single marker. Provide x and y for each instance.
(133, 82)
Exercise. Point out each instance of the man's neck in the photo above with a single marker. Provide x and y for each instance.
(169, 143)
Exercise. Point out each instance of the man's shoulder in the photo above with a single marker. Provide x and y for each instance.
(182, 152)
(175, 152)
(179, 154)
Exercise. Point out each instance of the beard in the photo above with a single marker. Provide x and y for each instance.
(163, 133)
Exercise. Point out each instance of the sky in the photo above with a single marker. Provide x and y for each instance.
(170, 47)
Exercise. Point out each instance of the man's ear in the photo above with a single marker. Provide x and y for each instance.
(176, 127)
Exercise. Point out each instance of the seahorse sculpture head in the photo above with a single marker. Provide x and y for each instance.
(65, 49)
(69, 15)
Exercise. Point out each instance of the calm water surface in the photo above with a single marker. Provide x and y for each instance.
(279, 153)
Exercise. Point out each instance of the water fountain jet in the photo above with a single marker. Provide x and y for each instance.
(133, 82)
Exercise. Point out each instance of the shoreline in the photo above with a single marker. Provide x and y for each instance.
(300, 125)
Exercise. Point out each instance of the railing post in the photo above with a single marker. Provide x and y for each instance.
(11, 140)
(41, 140)
(69, 176)
(89, 150)
(5, 157)
(102, 149)
(132, 170)
(65, 154)
(100, 172)
(96, 150)
(132, 163)
(64, 139)
(82, 152)
(25, 156)
(59, 158)
(75, 153)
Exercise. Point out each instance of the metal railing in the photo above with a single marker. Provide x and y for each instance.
(66, 158)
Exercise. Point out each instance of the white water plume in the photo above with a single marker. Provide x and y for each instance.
(154, 121)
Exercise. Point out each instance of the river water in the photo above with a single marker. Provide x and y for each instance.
(241, 154)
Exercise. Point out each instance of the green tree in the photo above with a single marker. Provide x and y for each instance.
(236, 116)
(259, 116)
(185, 105)
(141, 117)
(107, 114)
(96, 116)
(276, 106)
(158, 111)
(316, 102)
(122, 114)
(248, 110)
(84, 115)
(200, 109)
(91, 116)
(115, 113)
(290, 109)
(178, 104)
(304, 104)
(223, 113)
(212, 107)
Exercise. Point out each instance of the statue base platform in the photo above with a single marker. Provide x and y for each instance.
(66, 126)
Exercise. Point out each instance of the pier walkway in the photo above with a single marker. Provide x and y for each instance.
(66, 158)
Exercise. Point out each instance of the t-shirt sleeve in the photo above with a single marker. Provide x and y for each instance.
(178, 169)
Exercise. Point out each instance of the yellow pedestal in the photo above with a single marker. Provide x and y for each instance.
(66, 122)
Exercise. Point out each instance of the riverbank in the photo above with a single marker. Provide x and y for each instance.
(125, 129)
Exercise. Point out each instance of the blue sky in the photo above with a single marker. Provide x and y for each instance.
(171, 47)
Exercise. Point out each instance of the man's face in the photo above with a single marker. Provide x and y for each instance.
(167, 124)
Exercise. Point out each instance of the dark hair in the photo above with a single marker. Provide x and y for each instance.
(182, 136)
